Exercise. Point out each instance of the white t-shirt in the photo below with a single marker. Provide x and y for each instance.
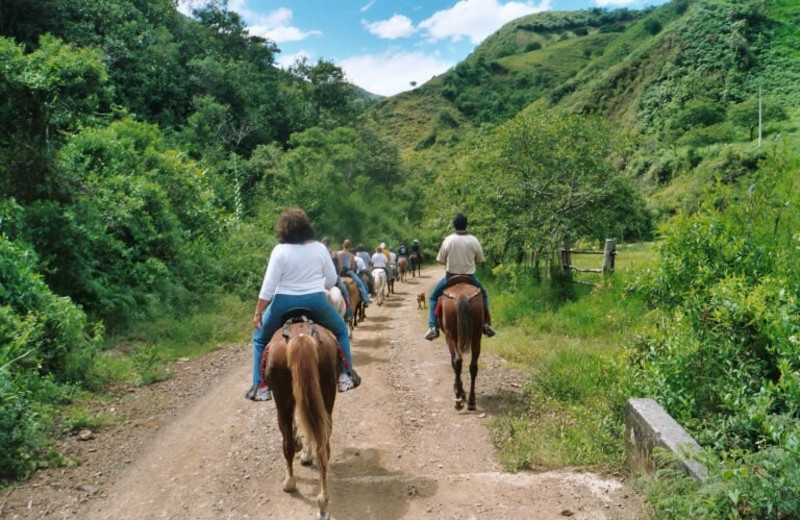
(392, 258)
(297, 269)
(379, 260)
(460, 252)
(360, 265)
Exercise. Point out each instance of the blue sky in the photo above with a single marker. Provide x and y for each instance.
(386, 46)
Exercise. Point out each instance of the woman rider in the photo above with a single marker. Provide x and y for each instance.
(298, 272)
(348, 266)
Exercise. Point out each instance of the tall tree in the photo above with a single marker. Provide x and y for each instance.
(538, 179)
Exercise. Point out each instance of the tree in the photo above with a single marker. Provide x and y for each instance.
(540, 178)
(331, 94)
(46, 95)
(745, 114)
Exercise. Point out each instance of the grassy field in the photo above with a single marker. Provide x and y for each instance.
(571, 413)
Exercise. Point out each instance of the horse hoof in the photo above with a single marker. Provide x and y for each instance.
(289, 484)
(459, 404)
(323, 515)
(471, 407)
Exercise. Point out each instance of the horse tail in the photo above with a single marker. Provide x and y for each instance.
(302, 357)
(464, 321)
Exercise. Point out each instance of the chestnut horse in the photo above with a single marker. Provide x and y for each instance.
(355, 301)
(302, 368)
(461, 318)
(416, 264)
(402, 266)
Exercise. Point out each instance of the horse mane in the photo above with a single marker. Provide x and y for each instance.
(302, 357)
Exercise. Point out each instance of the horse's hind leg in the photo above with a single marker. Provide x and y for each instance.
(473, 372)
(286, 425)
(457, 362)
(323, 454)
(306, 458)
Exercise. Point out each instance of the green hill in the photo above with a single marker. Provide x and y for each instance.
(681, 79)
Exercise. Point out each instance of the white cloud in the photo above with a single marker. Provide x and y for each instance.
(608, 3)
(281, 34)
(275, 25)
(185, 6)
(477, 19)
(398, 26)
(287, 60)
(392, 72)
(368, 6)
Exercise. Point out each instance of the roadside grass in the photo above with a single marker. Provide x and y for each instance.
(573, 413)
(141, 355)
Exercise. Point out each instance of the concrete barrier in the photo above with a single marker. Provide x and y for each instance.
(648, 426)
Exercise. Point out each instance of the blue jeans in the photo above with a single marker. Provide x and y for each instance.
(439, 289)
(324, 313)
(348, 313)
(360, 283)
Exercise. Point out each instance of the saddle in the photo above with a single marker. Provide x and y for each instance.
(459, 279)
(298, 315)
(289, 318)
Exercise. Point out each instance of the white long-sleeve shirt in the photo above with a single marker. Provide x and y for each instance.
(297, 269)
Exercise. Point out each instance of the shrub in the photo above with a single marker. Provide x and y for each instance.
(652, 26)
(533, 46)
(720, 351)
(58, 337)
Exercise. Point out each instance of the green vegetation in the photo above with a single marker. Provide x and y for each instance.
(572, 408)
(720, 351)
(147, 154)
(145, 157)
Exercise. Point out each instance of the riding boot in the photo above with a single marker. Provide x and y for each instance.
(487, 324)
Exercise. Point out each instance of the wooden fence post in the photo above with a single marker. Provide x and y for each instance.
(566, 257)
(609, 252)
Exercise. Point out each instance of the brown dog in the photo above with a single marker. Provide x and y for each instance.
(421, 300)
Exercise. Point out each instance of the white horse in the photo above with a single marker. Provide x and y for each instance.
(337, 300)
(379, 274)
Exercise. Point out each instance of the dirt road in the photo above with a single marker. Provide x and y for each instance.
(194, 448)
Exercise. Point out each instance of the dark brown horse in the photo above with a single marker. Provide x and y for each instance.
(402, 267)
(302, 368)
(416, 264)
(461, 318)
(356, 303)
(390, 281)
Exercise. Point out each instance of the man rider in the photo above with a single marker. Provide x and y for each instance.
(459, 253)
(402, 251)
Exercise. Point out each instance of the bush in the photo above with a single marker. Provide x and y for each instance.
(652, 26)
(697, 112)
(533, 46)
(720, 353)
(39, 328)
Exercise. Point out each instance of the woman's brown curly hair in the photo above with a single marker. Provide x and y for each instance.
(293, 227)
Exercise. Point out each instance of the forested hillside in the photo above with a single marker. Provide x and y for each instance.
(144, 156)
(681, 81)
